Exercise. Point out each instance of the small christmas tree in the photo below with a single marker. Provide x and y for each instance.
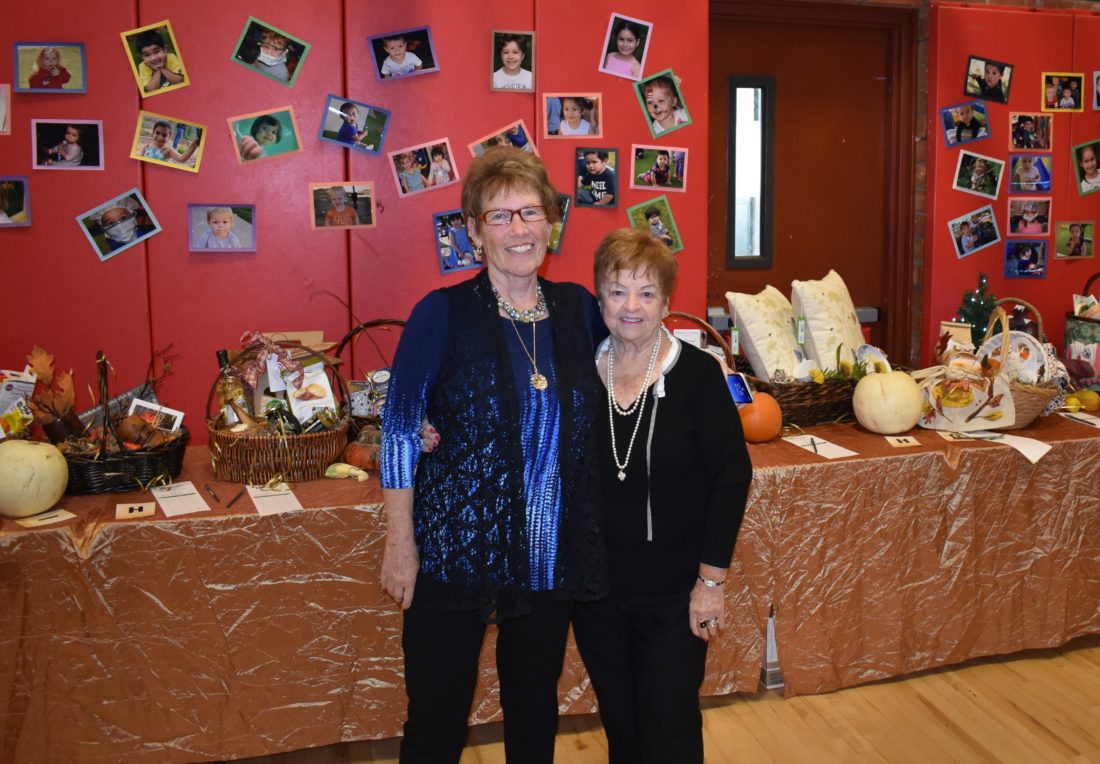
(977, 306)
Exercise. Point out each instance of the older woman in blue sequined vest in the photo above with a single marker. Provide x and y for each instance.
(500, 522)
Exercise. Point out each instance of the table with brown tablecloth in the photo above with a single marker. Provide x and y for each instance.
(226, 634)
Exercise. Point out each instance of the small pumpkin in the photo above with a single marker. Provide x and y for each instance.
(363, 451)
(33, 477)
(888, 403)
(762, 419)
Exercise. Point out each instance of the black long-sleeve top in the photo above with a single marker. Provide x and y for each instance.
(693, 471)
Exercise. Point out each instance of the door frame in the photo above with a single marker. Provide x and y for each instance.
(903, 281)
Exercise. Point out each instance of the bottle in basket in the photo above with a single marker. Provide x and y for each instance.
(231, 392)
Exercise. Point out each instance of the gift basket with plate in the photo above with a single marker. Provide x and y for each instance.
(276, 412)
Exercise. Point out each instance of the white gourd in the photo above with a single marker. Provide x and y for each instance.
(887, 403)
(33, 477)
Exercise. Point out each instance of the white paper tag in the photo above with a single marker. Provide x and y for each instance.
(45, 518)
(735, 341)
(273, 502)
(902, 441)
(800, 330)
(133, 511)
(819, 446)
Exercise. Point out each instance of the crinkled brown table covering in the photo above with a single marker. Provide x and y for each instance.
(226, 634)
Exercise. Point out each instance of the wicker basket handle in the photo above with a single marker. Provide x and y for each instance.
(999, 317)
(344, 394)
(1031, 308)
(362, 329)
(712, 333)
(1089, 283)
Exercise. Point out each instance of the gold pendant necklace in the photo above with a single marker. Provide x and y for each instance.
(538, 381)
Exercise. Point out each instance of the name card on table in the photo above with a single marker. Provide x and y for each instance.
(135, 510)
(45, 518)
(819, 446)
(1033, 450)
(179, 499)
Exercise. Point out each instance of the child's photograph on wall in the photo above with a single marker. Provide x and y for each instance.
(452, 242)
(423, 167)
(168, 141)
(515, 134)
(264, 134)
(155, 59)
(964, 122)
(1030, 132)
(5, 108)
(1029, 173)
(1029, 217)
(354, 125)
(118, 224)
(221, 227)
(572, 115)
(513, 61)
(50, 67)
(66, 144)
(342, 204)
(596, 171)
(987, 79)
(663, 167)
(1026, 259)
(1074, 239)
(625, 46)
(1063, 91)
(1086, 167)
(655, 216)
(407, 53)
(557, 230)
(270, 51)
(978, 174)
(973, 231)
(662, 102)
(15, 202)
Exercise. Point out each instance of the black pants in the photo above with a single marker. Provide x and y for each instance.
(646, 667)
(441, 655)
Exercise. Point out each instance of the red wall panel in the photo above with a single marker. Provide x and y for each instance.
(158, 293)
(1035, 42)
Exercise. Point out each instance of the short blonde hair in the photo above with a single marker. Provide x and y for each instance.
(502, 169)
(211, 211)
(636, 251)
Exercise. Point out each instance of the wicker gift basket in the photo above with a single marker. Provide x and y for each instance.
(114, 472)
(248, 457)
(802, 403)
(1029, 400)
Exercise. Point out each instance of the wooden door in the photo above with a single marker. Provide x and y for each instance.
(842, 191)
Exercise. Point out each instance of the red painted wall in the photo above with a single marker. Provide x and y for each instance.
(1035, 42)
(157, 293)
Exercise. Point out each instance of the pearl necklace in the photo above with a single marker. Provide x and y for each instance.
(613, 407)
(528, 316)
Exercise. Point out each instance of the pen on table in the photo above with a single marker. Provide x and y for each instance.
(210, 491)
(1079, 419)
(233, 501)
(813, 444)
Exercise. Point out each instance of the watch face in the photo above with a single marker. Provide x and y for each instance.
(739, 388)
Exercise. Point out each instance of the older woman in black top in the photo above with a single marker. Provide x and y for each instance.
(675, 474)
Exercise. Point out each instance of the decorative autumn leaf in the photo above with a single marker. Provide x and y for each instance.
(41, 363)
(64, 395)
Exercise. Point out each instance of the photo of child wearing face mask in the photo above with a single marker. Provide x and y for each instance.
(119, 224)
(271, 51)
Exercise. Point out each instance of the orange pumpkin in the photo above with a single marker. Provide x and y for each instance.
(762, 419)
(363, 451)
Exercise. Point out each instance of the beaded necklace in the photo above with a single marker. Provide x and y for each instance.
(528, 316)
(614, 408)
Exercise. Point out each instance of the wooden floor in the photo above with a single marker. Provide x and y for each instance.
(1036, 706)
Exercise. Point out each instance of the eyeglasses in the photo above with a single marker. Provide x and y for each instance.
(531, 214)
